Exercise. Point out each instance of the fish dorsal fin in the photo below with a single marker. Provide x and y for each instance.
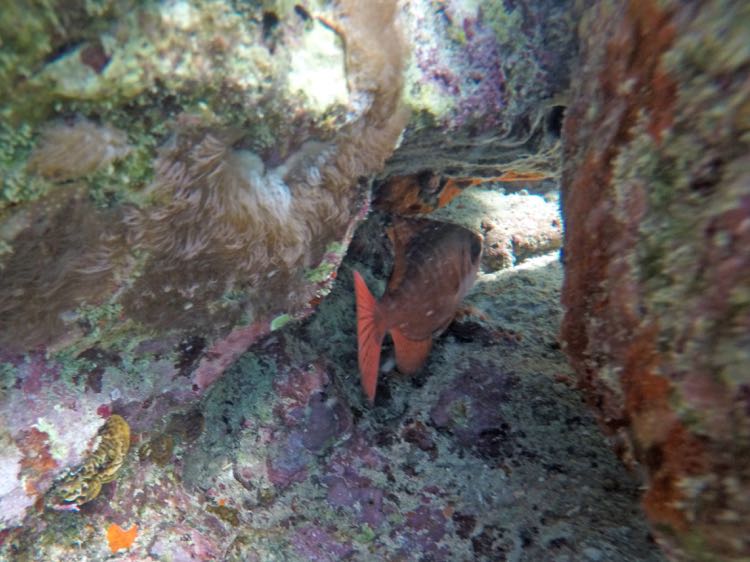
(400, 234)
(411, 355)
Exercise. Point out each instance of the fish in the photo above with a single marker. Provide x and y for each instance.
(435, 266)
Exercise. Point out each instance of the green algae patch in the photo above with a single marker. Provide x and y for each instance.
(98, 318)
(16, 185)
(280, 321)
(70, 366)
(321, 273)
(364, 535)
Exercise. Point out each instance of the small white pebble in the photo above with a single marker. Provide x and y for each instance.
(593, 554)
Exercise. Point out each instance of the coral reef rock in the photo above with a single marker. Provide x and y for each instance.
(656, 201)
(178, 180)
(486, 85)
(84, 483)
(488, 454)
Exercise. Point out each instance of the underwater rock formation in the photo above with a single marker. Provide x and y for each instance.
(486, 85)
(179, 179)
(248, 189)
(656, 201)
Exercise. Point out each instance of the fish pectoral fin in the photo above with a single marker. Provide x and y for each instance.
(411, 355)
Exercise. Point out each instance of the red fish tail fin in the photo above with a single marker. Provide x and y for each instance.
(370, 333)
(411, 355)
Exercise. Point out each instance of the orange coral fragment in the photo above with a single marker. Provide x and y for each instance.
(426, 191)
(120, 538)
(521, 176)
(451, 190)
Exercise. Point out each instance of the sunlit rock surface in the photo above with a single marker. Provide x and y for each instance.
(656, 199)
(485, 83)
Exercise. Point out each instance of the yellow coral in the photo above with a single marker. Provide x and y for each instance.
(85, 482)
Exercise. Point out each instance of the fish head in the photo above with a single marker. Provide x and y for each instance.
(470, 257)
(460, 255)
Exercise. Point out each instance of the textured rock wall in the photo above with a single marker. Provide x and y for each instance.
(656, 201)
(486, 84)
(177, 179)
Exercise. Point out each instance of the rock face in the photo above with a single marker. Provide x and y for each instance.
(485, 85)
(178, 180)
(488, 454)
(656, 202)
(234, 180)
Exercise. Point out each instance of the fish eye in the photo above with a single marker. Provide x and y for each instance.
(476, 248)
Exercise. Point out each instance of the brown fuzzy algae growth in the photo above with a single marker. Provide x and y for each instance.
(229, 214)
(84, 483)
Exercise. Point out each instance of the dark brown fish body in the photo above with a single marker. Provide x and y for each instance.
(440, 264)
(435, 265)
